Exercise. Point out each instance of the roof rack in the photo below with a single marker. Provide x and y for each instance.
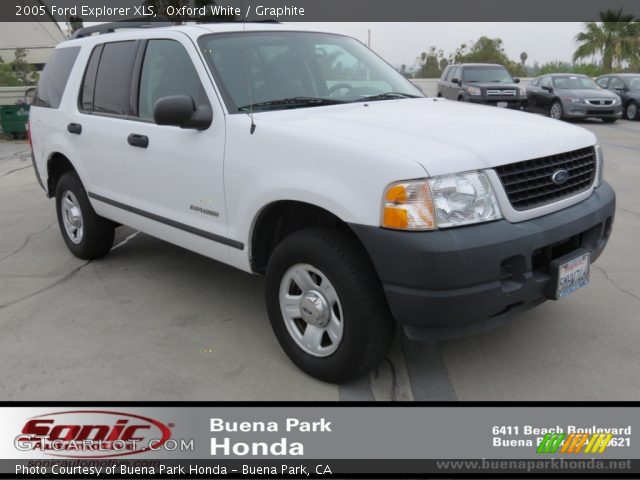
(113, 26)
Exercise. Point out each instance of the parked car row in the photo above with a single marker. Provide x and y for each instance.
(559, 95)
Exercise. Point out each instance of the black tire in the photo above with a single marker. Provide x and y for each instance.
(628, 110)
(98, 232)
(609, 120)
(368, 326)
(554, 104)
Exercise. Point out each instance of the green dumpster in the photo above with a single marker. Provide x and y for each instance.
(13, 120)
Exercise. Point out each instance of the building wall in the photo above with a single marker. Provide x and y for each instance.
(38, 38)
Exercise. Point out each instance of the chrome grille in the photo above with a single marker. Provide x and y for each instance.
(528, 184)
(599, 102)
(504, 93)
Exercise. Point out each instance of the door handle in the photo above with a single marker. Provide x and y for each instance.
(74, 128)
(136, 140)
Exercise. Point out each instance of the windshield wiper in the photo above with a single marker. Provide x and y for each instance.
(293, 102)
(386, 96)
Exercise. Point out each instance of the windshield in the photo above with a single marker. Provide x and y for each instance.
(575, 83)
(486, 75)
(266, 67)
(634, 83)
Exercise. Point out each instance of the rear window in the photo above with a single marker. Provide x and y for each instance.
(54, 77)
(113, 81)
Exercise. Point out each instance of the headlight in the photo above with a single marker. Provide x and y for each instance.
(475, 91)
(440, 202)
(599, 165)
(464, 198)
(408, 206)
(574, 99)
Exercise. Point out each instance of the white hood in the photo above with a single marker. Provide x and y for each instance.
(443, 136)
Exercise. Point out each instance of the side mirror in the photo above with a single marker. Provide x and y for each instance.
(181, 111)
(457, 81)
(547, 88)
(516, 80)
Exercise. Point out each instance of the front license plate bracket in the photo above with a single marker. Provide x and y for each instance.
(569, 273)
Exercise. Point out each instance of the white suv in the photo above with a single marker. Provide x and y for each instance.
(304, 157)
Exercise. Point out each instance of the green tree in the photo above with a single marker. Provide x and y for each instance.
(523, 58)
(430, 63)
(22, 70)
(557, 66)
(615, 39)
(7, 78)
(75, 23)
(487, 50)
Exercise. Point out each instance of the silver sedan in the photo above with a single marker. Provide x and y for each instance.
(572, 96)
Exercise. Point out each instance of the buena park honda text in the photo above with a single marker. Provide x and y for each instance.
(304, 157)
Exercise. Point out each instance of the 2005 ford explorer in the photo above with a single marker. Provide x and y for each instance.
(304, 157)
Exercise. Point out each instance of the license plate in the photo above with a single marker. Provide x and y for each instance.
(503, 104)
(573, 275)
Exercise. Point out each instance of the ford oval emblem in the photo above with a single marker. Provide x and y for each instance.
(560, 177)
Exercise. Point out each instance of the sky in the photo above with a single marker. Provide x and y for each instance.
(401, 43)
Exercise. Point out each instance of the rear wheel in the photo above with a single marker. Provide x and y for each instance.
(86, 234)
(631, 111)
(556, 110)
(326, 305)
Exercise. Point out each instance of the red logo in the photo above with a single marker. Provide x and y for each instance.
(92, 434)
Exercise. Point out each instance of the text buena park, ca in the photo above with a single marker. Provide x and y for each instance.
(95, 12)
(96, 469)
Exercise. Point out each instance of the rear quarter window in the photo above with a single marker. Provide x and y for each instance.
(54, 77)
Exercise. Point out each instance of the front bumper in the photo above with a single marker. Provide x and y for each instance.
(516, 103)
(463, 280)
(582, 110)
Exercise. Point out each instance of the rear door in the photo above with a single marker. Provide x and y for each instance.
(164, 180)
(451, 90)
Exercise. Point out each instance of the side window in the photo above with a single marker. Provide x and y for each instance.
(616, 83)
(603, 82)
(54, 77)
(113, 80)
(167, 70)
(545, 82)
(89, 81)
(535, 82)
(457, 72)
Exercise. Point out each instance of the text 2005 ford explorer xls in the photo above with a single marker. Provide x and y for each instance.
(304, 157)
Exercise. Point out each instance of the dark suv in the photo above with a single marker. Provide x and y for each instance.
(485, 83)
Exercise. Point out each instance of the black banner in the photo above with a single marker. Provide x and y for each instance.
(313, 10)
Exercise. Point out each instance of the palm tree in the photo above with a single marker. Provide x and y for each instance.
(615, 38)
(523, 58)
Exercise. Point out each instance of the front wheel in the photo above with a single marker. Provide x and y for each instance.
(631, 111)
(556, 110)
(326, 305)
(86, 234)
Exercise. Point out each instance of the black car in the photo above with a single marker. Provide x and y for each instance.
(484, 83)
(627, 86)
(568, 95)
